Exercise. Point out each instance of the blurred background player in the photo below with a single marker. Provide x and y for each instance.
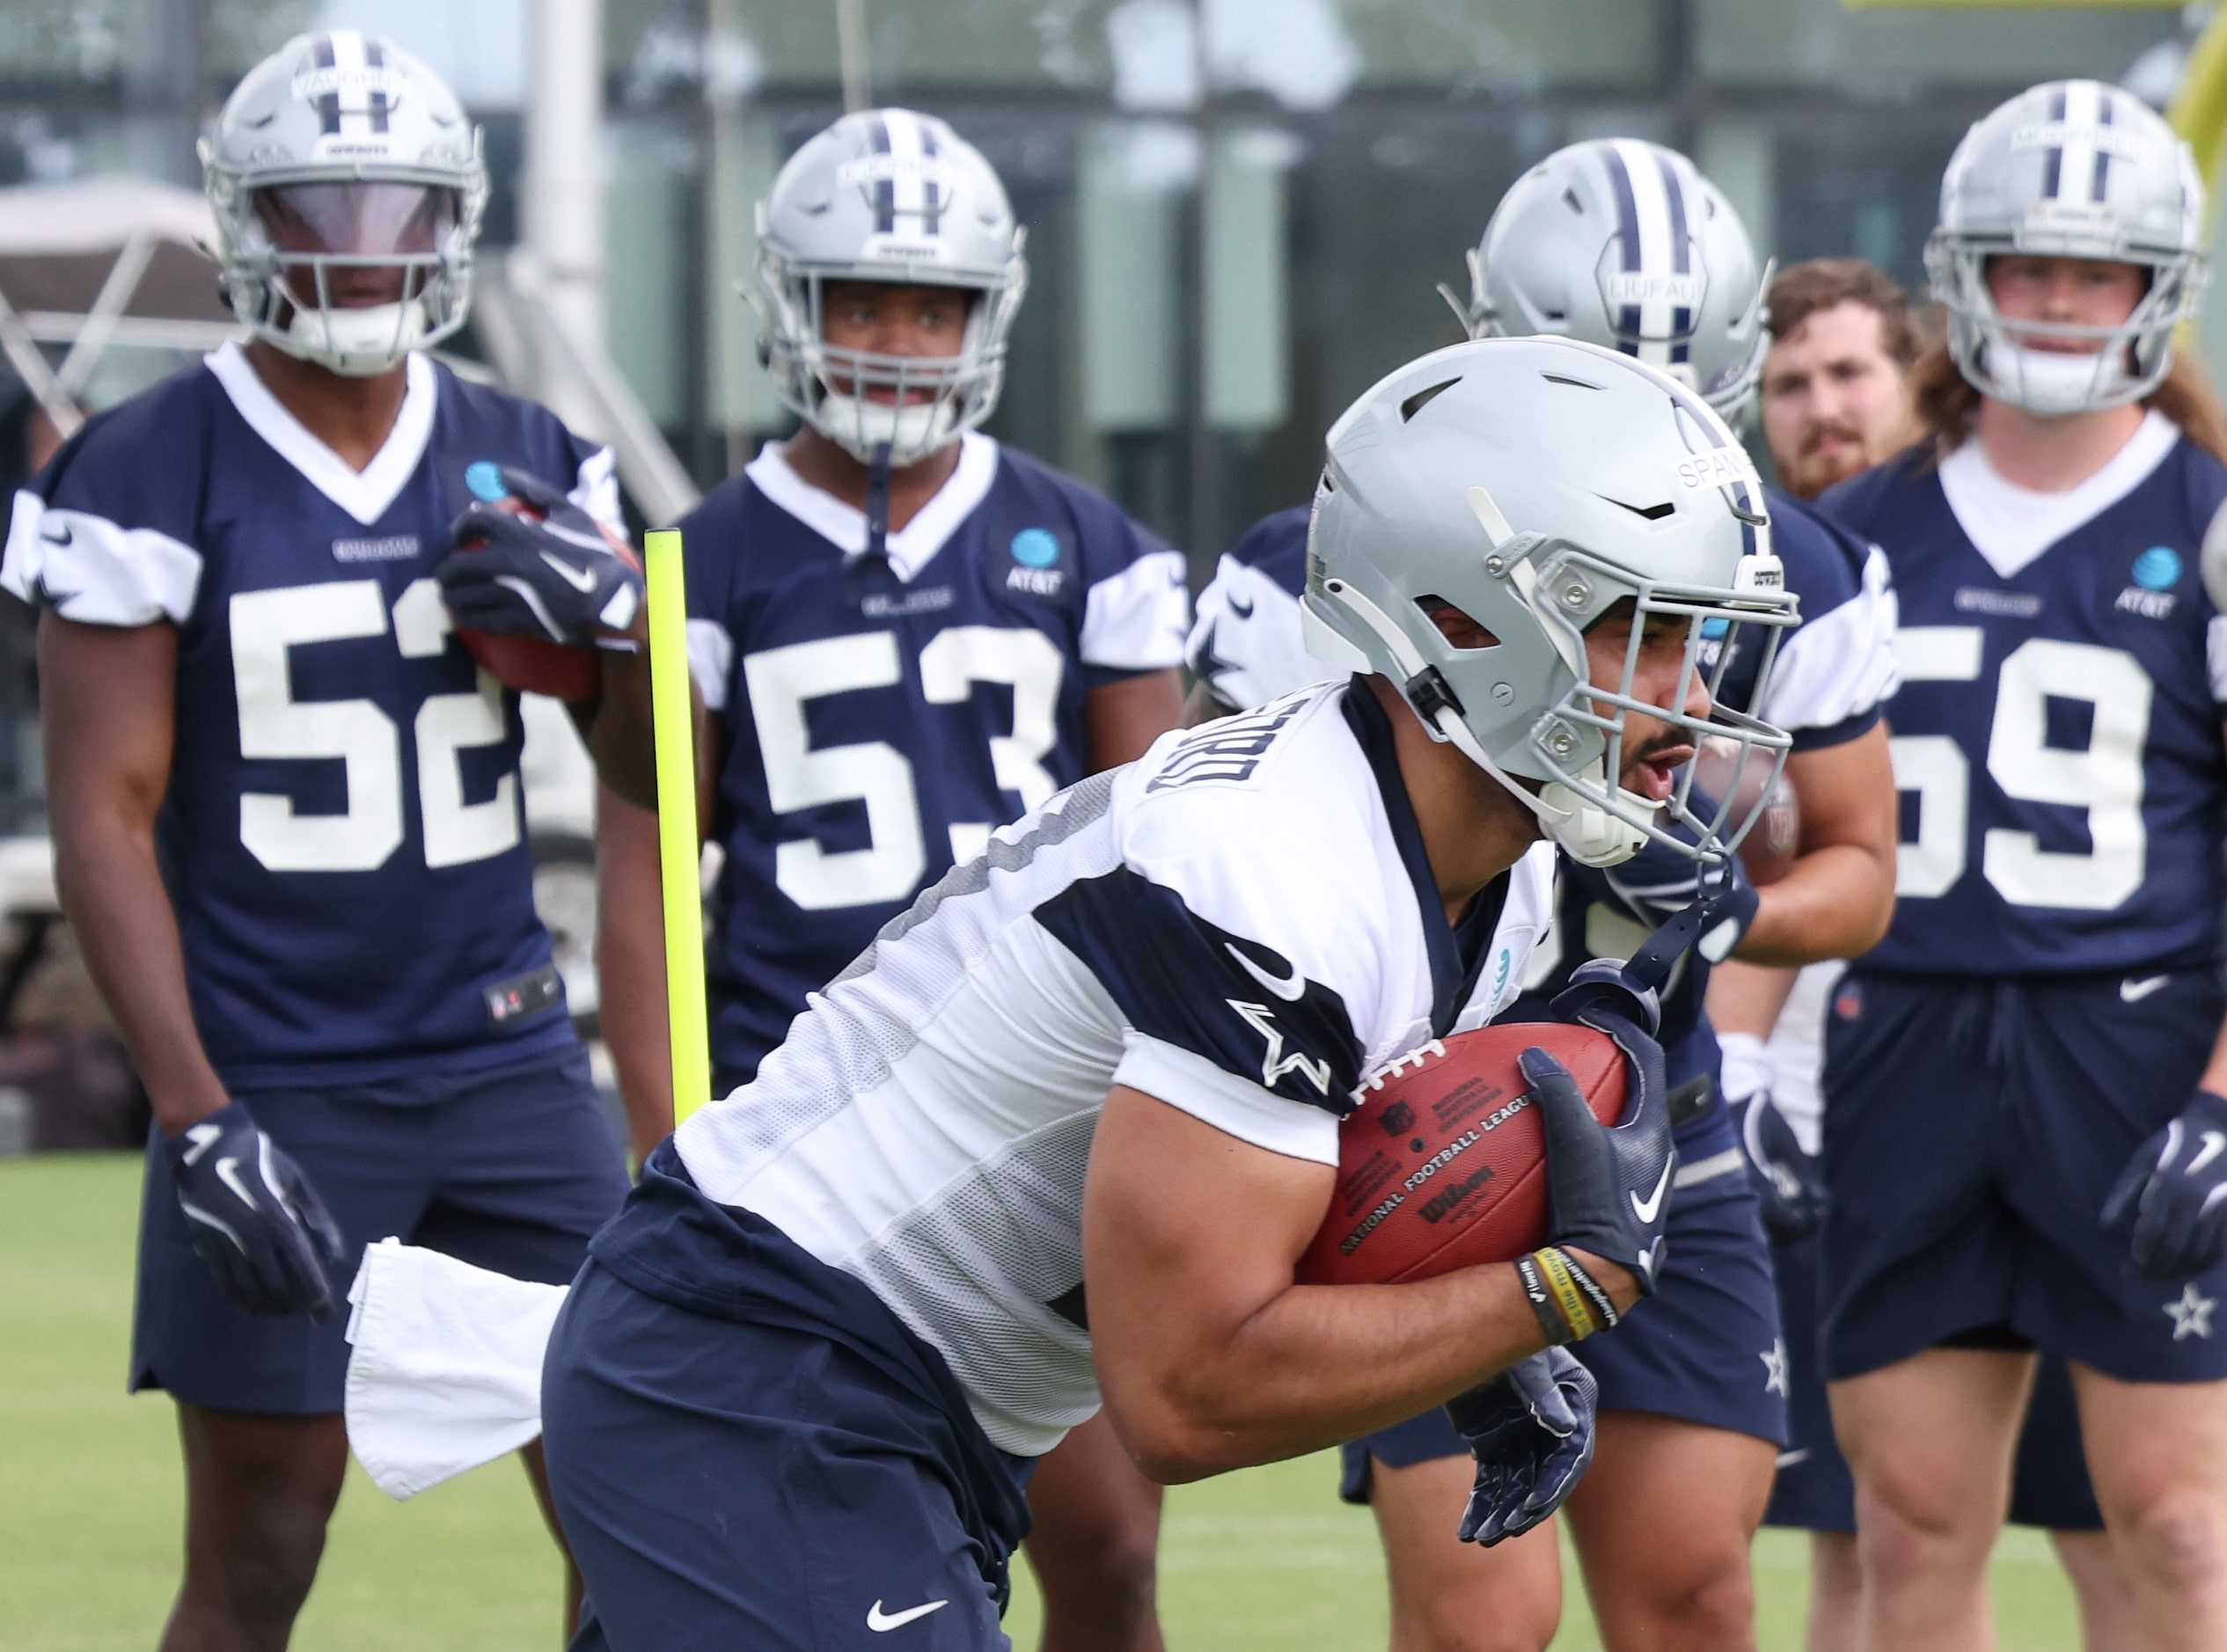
(286, 801)
(2023, 1083)
(1836, 400)
(1650, 261)
(1115, 1049)
(906, 636)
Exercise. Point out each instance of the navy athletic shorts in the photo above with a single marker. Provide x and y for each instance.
(508, 1168)
(779, 1464)
(1973, 1131)
(1704, 1349)
(1815, 1492)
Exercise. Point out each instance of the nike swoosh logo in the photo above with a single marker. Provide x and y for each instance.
(204, 1136)
(1648, 1209)
(2133, 991)
(881, 1622)
(1289, 988)
(2215, 1144)
(1787, 1459)
(52, 538)
(581, 579)
(228, 1173)
(1243, 610)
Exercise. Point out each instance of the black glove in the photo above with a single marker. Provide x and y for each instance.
(1783, 1172)
(1659, 881)
(256, 1221)
(1608, 1186)
(556, 578)
(2173, 1194)
(1530, 1429)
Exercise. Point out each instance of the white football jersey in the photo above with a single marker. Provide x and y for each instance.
(1240, 923)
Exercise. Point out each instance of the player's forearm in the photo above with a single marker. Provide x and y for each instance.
(616, 729)
(112, 893)
(1835, 902)
(1318, 1365)
(630, 964)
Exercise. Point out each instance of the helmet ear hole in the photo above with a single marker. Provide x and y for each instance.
(1457, 627)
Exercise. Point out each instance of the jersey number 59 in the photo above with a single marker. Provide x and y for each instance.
(2106, 779)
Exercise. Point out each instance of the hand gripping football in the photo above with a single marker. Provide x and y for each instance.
(533, 665)
(1443, 1165)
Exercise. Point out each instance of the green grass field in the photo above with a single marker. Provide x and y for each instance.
(89, 1503)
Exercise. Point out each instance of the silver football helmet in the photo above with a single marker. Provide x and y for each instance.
(348, 187)
(1535, 484)
(2071, 169)
(1622, 243)
(886, 195)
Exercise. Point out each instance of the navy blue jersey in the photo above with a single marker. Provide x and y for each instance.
(1245, 645)
(2057, 733)
(882, 716)
(342, 837)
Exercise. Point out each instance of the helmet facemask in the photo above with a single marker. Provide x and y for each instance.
(352, 275)
(865, 400)
(2129, 360)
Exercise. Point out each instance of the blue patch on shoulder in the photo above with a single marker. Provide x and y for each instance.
(2158, 568)
(1036, 548)
(484, 478)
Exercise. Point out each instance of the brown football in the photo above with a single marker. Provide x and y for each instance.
(1443, 1164)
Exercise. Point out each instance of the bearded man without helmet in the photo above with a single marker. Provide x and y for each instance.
(285, 799)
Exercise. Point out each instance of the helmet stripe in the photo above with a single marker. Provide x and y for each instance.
(909, 189)
(877, 131)
(1651, 215)
(327, 104)
(2096, 186)
(1681, 318)
(1627, 238)
(375, 57)
(2053, 163)
(931, 191)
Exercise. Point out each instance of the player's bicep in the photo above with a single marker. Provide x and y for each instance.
(1847, 794)
(108, 697)
(1187, 1232)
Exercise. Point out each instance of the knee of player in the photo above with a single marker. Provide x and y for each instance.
(1520, 1626)
(2177, 1539)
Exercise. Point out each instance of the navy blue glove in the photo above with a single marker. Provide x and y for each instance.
(255, 1220)
(2173, 1195)
(1783, 1172)
(1608, 1187)
(1530, 1429)
(556, 578)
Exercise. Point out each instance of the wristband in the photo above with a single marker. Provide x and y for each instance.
(1568, 1301)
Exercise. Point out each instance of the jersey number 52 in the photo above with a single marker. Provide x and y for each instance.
(2106, 779)
(264, 625)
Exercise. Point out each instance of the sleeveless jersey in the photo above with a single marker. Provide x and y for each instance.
(1240, 923)
(2057, 740)
(341, 837)
(882, 716)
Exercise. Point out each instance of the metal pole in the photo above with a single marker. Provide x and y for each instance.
(857, 71)
(562, 208)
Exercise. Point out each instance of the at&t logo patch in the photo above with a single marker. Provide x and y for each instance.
(1036, 555)
(2155, 573)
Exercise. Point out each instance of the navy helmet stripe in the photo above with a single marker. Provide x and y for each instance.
(2053, 162)
(884, 188)
(1681, 258)
(2103, 155)
(327, 104)
(931, 194)
(1628, 318)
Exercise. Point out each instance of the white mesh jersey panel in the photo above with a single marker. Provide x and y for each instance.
(927, 1126)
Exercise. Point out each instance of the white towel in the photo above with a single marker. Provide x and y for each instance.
(446, 1371)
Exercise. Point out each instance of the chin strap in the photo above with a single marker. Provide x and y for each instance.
(877, 503)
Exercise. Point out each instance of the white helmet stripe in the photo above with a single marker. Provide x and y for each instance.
(1648, 251)
(2076, 162)
(909, 199)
